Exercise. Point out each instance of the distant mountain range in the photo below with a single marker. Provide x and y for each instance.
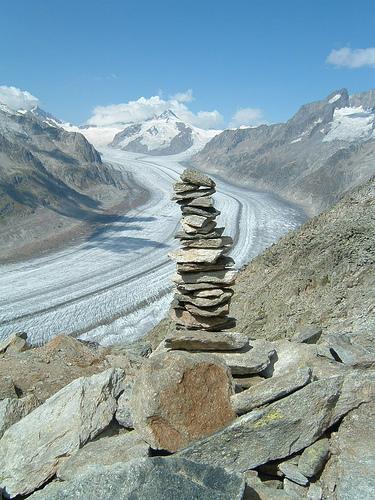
(165, 134)
(326, 148)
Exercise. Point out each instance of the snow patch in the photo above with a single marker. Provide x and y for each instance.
(334, 98)
(351, 124)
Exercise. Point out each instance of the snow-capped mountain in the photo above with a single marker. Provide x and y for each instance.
(326, 148)
(165, 134)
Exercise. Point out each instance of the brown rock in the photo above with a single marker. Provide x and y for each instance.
(188, 320)
(180, 397)
(183, 235)
(214, 292)
(190, 195)
(17, 342)
(204, 301)
(208, 312)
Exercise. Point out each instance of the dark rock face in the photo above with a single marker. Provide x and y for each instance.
(149, 479)
(309, 159)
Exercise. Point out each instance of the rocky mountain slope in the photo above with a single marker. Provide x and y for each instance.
(165, 134)
(325, 149)
(44, 168)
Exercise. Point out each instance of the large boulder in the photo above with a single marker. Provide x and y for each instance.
(179, 397)
(13, 409)
(108, 450)
(17, 342)
(149, 479)
(31, 450)
(278, 430)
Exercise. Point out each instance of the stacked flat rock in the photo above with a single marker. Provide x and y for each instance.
(204, 270)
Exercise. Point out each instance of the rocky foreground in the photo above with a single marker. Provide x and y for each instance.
(211, 415)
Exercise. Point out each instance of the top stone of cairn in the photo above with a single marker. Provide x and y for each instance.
(197, 178)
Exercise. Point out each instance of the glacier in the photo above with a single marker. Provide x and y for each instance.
(116, 286)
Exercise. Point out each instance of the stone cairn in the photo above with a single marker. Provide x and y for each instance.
(204, 270)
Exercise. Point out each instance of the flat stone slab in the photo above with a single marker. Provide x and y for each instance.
(204, 202)
(189, 195)
(313, 458)
(270, 390)
(183, 187)
(255, 360)
(187, 320)
(196, 255)
(205, 301)
(218, 277)
(209, 312)
(104, 451)
(216, 233)
(209, 243)
(149, 479)
(195, 177)
(206, 341)
(210, 212)
(207, 228)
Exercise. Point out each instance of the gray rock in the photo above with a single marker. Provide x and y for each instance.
(104, 451)
(206, 341)
(196, 220)
(349, 472)
(206, 228)
(179, 397)
(209, 212)
(294, 355)
(13, 409)
(209, 242)
(346, 351)
(214, 292)
(277, 431)
(309, 335)
(313, 458)
(262, 490)
(208, 312)
(217, 232)
(197, 178)
(291, 472)
(196, 255)
(17, 342)
(204, 202)
(315, 492)
(269, 390)
(294, 490)
(124, 414)
(193, 194)
(7, 388)
(149, 479)
(30, 450)
(254, 360)
(183, 187)
(196, 322)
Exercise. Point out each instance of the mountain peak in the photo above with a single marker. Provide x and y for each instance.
(168, 113)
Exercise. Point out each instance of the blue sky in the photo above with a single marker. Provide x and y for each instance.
(269, 56)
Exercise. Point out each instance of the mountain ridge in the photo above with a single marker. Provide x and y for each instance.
(324, 150)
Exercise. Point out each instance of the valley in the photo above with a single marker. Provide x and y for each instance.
(115, 286)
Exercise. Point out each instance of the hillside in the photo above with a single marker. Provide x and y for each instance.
(325, 149)
(49, 178)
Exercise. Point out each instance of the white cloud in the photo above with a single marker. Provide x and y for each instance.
(247, 117)
(352, 58)
(186, 96)
(147, 107)
(17, 99)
